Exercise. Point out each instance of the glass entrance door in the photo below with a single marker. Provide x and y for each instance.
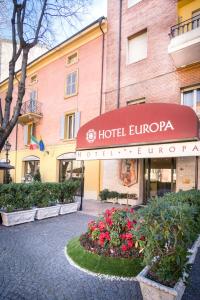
(159, 176)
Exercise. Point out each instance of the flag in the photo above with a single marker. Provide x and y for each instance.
(41, 145)
(34, 144)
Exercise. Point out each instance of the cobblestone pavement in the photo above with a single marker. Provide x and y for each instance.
(33, 265)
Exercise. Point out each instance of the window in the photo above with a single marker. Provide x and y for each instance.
(32, 103)
(70, 126)
(137, 47)
(136, 101)
(72, 59)
(133, 2)
(29, 130)
(33, 79)
(69, 169)
(31, 167)
(71, 88)
(192, 98)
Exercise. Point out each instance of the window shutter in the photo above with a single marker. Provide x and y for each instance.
(25, 134)
(62, 127)
(77, 123)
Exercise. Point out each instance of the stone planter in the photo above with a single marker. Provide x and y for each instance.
(18, 217)
(47, 212)
(132, 202)
(112, 200)
(123, 201)
(68, 208)
(152, 290)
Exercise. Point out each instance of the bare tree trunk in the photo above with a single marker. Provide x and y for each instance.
(8, 124)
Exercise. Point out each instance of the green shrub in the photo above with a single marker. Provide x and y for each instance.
(106, 194)
(67, 191)
(171, 225)
(20, 196)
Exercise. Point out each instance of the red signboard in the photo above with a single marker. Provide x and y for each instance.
(140, 124)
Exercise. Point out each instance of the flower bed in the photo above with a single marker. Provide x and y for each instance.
(100, 264)
(113, 235)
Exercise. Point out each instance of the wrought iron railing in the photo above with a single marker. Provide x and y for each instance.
(31, 106)
(185, 26)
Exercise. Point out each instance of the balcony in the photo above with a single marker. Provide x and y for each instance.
(30, 112)
(184, 45)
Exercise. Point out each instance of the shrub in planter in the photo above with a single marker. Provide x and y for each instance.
(16, 204)
(67, 190)
(112, 235)
(15, 197)
(171, 229)
(104, 194)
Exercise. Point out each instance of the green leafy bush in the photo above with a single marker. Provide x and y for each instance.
(171, 225)
(21, 196)
(106, 194)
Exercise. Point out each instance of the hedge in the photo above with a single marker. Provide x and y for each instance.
(20, 196)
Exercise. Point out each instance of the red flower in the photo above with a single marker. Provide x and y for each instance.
(107, 235)
(132, 210)
(130, 244)
(109, 221)
(124, 248)
(101, 226)
(123, 236)
(142, 238)
(129, 236)
(129, 225)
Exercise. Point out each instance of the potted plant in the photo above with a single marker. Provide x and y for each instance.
(67, 192)
(45, 198)
(16, 204)
(171, 224)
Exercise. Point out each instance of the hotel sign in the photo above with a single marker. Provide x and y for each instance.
(139, 124)
(147, 151)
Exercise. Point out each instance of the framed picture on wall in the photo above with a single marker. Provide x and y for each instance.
(128, 171)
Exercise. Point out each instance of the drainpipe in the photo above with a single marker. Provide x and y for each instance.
(102, 63)
(119, 54)
(102, 80)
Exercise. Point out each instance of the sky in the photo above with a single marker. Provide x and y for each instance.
(95, 11)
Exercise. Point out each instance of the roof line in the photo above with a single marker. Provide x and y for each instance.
(62, 43)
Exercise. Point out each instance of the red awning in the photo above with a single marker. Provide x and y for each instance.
(140, 124)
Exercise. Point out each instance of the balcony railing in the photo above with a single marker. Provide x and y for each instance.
(185, 26)
(31, 106)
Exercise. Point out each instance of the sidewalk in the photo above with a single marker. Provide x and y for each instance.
(96, 208)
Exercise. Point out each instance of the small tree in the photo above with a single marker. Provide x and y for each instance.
(31, 23)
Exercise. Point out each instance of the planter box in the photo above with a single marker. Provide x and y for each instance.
(152, 290)
(47, 212)
(132, 202)
(123, 201)
(112, 200)
(68, 208)
(18, 217)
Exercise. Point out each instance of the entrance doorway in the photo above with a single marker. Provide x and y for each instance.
(159, 177)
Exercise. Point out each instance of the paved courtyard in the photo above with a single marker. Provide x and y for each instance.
(33, 265)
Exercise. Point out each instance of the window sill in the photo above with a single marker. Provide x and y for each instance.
(69, 96)
(136, 62)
